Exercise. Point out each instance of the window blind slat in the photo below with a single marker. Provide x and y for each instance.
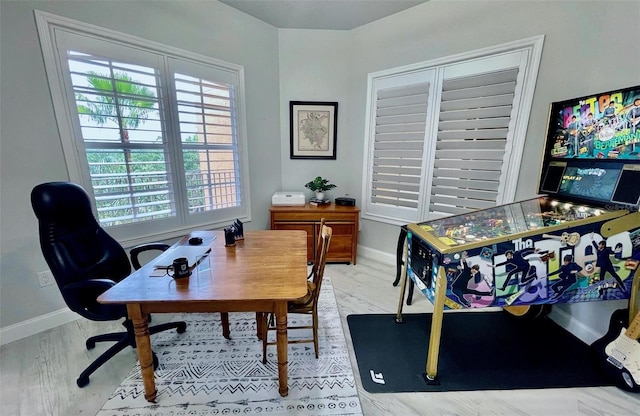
(403, 101)
(463, 144)
(465, 205)
(469, 164)
(400, 146)
(476, 113)
(479, 91)
(466, 174)
(466, 124)
(394, 202)
(466, 184)
(419, 108)
(380, 161)
(473, 134)
(471, 154)
(405, 136)
(464, 193)
(489, 78)
(399, 179)
(401, 128)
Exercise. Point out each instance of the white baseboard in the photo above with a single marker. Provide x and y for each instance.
(377, 255)
(36, 325)
(584, 332)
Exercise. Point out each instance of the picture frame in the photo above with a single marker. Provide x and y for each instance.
(314, 129)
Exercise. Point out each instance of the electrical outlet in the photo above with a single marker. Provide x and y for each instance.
(45, 278)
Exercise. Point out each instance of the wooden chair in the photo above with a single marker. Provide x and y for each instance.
(307, 304)
(318, 248)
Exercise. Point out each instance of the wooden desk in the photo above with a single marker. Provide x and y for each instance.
(260, 274)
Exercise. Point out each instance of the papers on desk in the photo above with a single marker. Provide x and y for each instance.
(192, 253)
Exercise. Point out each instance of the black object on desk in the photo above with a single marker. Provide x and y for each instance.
(230, 236)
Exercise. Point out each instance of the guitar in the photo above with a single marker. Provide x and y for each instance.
(619, 351)
(570, 239)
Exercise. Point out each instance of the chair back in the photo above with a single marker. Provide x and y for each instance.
(74, 245)
(318, 248)
(321, 261)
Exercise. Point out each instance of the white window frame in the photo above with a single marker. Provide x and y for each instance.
(528, 54)
(72, 144)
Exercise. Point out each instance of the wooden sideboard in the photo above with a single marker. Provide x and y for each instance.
(343, 220)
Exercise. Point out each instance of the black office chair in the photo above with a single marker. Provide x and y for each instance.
(86, 261)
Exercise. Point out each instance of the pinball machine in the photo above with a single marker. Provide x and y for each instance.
(578, 241)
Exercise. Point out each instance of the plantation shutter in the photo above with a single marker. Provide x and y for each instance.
(121, 126)
(208, 135)
(398, 150)
(473, 128)
(447, 137)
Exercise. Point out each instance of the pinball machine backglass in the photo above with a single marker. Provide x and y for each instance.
(578, 241)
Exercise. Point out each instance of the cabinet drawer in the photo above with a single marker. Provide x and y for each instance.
(339, 229)
(310, 216)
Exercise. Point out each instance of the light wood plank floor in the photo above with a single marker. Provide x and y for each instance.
(38, 373)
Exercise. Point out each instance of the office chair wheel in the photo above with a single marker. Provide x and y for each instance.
(181, 328)
(82, 381)
(90, 345)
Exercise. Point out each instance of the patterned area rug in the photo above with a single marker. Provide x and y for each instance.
(202, 373)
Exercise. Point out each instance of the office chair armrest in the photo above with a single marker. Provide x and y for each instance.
(81, 298)
(137, 250)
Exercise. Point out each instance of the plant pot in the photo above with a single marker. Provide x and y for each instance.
(319, 195)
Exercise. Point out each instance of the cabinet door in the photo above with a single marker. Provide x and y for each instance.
(304, 226)
(341, 241)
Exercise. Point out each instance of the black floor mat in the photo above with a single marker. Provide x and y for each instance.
(478, 351)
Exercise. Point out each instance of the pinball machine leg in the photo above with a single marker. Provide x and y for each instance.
(634, 299)
(403, 285)
(436, 328)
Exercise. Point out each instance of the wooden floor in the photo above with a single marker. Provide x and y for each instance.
(38, 373)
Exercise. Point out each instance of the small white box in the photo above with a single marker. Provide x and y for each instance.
(288, 198)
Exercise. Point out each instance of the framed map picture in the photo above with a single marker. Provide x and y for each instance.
(314, 128)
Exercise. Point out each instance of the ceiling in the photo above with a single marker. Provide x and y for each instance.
(320, 14)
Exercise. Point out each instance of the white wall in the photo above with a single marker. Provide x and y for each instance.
(316, 66)
(31, 151)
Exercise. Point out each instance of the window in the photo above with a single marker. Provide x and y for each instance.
(155, 135)
(446, 137)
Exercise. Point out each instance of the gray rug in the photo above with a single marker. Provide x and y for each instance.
(201, 373)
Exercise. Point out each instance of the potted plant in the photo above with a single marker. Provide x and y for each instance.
(319, 185)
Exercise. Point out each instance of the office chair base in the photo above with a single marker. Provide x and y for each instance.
(83, 380)
(123, 340)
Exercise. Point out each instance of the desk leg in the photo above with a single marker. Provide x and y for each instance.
(403, 284)
(143, 345)
(259, 324)
(436, 326)
(224, 319)
(282, 347)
